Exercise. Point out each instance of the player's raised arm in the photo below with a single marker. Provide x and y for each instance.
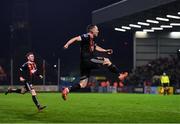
(71, 41)
(100, 49)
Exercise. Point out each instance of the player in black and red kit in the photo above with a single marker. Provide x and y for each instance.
(28, 74)
(88, 59)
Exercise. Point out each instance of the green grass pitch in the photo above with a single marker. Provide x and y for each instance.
(91, 107)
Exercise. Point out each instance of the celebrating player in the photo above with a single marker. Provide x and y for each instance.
(88, 59)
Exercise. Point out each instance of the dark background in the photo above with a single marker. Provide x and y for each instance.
(50, 24)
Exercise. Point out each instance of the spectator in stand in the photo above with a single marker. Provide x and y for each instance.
(121, 84)
(153, 70)
(103, 85)
(115, 84)
(147, 86)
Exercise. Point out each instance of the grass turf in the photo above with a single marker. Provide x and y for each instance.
(84, 107)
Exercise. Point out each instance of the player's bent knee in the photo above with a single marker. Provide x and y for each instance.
(107, 62)
(33, 92)
(83, 82)
(83, 85)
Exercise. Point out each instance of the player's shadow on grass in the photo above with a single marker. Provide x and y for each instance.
(34, 116)
(34, 113)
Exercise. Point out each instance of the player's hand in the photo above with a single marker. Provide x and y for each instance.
(109, 51)
(22, 79)
(66, 46)
(33, 71)
(40, 76)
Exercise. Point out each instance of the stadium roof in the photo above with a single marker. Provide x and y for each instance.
(138, 15)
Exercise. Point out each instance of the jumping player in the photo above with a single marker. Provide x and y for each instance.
(28, 73)
(88, 59)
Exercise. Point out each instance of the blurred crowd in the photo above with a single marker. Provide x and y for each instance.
(150, 73)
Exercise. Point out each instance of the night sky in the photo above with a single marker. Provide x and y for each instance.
(53, 22)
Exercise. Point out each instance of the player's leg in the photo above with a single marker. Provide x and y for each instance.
(13, 90)
(166, 89)
(85, 72)
(34, 96)
(162, 88)
(112, 68)
(82, 84)
(74, 87)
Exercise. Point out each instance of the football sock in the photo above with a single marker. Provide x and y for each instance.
(35, 101)
(114, 69)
